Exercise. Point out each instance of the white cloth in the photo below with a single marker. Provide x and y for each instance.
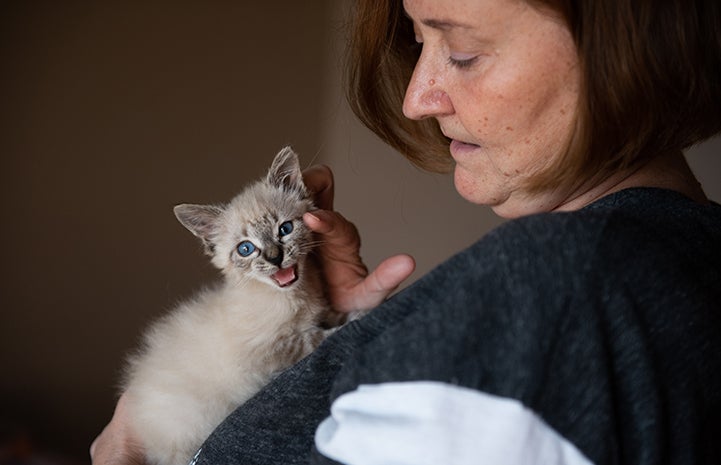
(419, 423)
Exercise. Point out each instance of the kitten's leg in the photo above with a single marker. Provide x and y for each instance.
(290, 348)
(333, 319)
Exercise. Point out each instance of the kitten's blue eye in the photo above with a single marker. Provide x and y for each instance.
(285, 228)
(246, 248)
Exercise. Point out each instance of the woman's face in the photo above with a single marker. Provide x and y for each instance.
(503, 79)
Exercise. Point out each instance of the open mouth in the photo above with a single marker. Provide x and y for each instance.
(285, 276)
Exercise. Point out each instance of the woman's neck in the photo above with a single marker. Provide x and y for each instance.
(668, 171)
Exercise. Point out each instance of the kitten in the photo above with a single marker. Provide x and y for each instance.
(212, 353)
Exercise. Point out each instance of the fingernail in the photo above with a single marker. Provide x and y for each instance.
(319, 215)
(313, 219)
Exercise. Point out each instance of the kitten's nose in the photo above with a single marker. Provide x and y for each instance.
(274, 255)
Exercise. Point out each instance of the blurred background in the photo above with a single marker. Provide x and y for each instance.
(113, 112)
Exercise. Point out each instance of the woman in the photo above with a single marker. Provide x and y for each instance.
(586, 330)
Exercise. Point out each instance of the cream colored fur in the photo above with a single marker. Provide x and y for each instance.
(212, 353)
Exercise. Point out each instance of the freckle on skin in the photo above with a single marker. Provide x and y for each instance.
(508, 128)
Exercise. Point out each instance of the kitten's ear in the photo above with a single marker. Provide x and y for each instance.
(201, 220)
(285, 172)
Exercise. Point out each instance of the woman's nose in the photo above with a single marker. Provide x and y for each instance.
(425, 95)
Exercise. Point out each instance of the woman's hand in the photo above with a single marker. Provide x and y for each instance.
(350, 287)
(116, 445)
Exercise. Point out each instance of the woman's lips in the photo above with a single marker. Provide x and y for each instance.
(459, 149)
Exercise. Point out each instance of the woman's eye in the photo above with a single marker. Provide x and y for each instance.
(246, 248)
(285, 228)
(462, 63)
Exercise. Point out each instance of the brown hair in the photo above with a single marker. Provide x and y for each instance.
(651, 79)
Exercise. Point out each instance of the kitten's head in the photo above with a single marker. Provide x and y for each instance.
(259, 234)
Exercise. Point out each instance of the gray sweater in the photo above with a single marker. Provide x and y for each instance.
(606, 322)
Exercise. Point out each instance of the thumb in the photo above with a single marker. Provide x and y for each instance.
(382, 281)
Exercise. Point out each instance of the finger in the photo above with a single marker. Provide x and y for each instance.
(113, 447)
(340, 237)
(319, 180)
(385, 279)
(116, 444)
(351, 288)
(95, 444)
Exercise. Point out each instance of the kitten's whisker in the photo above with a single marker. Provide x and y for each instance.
(306, 248)
(317, 154)
(313, 244)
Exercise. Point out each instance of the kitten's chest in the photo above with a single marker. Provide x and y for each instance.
(252, 342)
(258, 317)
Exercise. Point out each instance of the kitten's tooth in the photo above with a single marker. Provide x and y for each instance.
(285, 276)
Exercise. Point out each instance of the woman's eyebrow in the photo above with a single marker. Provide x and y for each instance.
(440, 24)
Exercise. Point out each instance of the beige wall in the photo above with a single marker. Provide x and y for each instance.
(112, 114)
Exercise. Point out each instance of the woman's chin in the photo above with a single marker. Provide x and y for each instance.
(484, 193)
(471, 188)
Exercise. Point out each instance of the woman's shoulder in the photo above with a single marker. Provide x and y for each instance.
(640, 249)
(617, 226)
(541, 311)
(640, 245)
(626, 263)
